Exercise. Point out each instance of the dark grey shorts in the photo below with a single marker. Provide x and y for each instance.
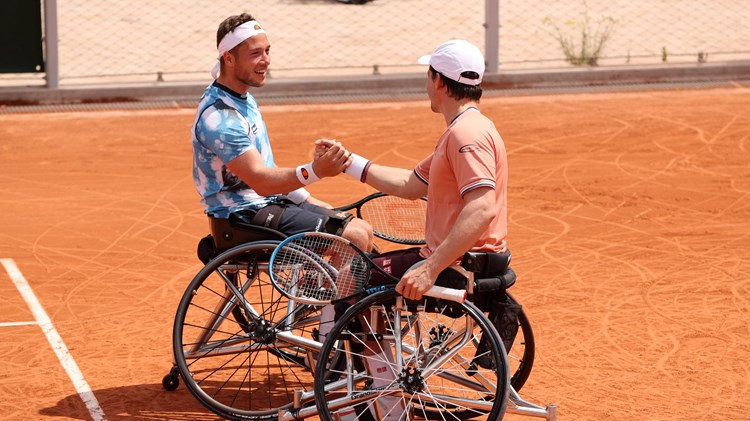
(290, 218)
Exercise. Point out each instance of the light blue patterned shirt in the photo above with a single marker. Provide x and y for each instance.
(226, 126)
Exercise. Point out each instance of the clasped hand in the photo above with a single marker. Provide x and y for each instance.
(330, 158)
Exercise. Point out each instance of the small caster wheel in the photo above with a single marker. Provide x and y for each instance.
(171, 381)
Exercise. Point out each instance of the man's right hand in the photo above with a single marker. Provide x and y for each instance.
(330, 158)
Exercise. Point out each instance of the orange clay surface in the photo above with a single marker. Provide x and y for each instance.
(629, 225)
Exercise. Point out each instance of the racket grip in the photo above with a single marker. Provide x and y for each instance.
(450, 294)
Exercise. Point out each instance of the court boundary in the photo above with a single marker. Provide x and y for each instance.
(55, 340)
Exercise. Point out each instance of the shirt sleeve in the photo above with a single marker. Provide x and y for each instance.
(224, 133)
(422, 170)
(473, 161)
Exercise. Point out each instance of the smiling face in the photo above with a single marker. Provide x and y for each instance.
(246, 65)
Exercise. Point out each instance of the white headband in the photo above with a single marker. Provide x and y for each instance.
(234, 38)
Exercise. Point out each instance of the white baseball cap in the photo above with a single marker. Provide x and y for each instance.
(454, 57)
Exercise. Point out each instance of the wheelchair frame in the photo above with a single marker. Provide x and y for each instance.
(291, 342)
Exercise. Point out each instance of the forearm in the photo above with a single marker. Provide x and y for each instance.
(270, 181)
(472, 221)
(317, 202)
(391, 180)
(266, 181)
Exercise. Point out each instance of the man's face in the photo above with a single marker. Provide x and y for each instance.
(251, 60)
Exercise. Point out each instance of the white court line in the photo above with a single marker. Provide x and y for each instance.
(82, 387)
(9, 324)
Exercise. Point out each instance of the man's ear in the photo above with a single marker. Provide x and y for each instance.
(228, 57)
(435, 78)
(439, 84)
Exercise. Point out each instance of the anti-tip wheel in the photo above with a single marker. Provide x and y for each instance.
(171, 381)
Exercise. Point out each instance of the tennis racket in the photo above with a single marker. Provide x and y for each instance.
(393, 218)
(319, 268)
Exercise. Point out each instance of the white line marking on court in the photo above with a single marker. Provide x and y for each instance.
(82, 387)
(9, 324)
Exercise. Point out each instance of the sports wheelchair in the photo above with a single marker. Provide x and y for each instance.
(388, 358)
(245, 351)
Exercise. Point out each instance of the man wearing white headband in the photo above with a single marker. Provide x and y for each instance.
(465, 178)
(233, 164)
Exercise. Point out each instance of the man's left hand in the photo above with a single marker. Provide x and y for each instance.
(416, 282)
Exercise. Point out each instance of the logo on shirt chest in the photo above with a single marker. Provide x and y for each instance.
(254, 129)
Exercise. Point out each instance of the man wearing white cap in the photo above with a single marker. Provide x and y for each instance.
(465, 178)
(233, 165)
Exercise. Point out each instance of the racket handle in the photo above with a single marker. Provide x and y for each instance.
(450, 294)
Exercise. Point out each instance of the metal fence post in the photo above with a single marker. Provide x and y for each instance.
(51, 61)
(492, 35)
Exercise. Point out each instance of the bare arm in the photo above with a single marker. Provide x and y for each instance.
(391, 180)
(318, 202)
(267, 181)
(396, 181)
(474, 218)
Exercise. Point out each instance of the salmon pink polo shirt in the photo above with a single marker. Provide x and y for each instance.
(469, 155)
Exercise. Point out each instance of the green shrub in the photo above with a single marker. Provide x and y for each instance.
(581, 42)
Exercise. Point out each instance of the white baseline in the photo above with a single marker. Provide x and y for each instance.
(70, 366)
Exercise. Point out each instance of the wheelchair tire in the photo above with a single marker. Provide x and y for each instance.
(521, 354)
(438, 378)
(226, 337)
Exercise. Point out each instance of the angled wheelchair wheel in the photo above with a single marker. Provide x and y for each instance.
(242, 348)
(521, 353)
(406, 361)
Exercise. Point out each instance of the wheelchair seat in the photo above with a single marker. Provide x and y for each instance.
(228, 233)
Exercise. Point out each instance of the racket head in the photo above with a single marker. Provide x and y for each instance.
(359, 202)
(395, 219)
(318, 268)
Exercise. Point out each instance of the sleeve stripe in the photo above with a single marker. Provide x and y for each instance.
(477, 184)
(420, 177)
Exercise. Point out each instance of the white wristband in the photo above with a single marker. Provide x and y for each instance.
(298, 196)
(358, 168)
(306, 175)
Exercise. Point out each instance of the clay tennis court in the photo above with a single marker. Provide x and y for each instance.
(629, 225)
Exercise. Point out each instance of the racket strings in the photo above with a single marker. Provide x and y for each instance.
(352, 268)
(300, 280)
(396, 217)
(319, 269)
